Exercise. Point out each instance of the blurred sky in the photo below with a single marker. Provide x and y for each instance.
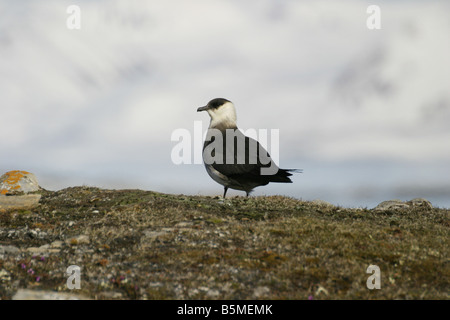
(365, 113)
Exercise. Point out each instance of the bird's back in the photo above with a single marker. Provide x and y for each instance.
(241, 159)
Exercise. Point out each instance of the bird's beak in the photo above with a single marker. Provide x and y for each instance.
(202, 108)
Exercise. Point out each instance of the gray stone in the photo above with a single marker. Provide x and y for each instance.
(261, 291)
(153, 234)
(56, 244)
(36, 234)
(112, 295)
(184, 224)
(321, 290)
(420, 202)
(44, 249)
(81, 239)
(392, 205)
(14, 182)
(15, 187)
(28, 201)
(26, 294)
(398, 204)
(9, 250)
(4, 275)
(213, 293)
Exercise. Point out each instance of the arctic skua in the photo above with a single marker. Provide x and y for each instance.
(237, 161)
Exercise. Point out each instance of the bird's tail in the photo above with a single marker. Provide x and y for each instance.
(293, 170)
(283, 175)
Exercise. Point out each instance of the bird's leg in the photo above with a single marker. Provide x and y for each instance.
(225, 189)
(247, 193)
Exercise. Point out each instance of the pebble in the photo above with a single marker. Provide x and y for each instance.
(44, 249)
(56, 244)
(321, 290)
(153, 234)
(112, 295)
(184, 224)
(4, 275)
(81, 239)
(36, 234)
(155, 284)
(261, 291)
(213, 293)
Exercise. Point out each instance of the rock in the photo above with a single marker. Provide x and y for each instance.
(4, 275)
(81, 239)
(44, 249)
(25, 294)
(36, 234)
(18, 182)
(28, 201)
(321, 290)
(111, 295)
(184, 224)
(398, 204)
(9, 250)
(14, 189)
(155, 284)
(153, 234)
(391, 205)
(213, 293)
(56, 244)
(420, 202)
(193, 292)
(260, 292)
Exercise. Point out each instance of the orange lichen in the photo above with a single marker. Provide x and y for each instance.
(12, 178)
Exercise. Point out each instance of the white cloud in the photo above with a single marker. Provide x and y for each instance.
(116, 89)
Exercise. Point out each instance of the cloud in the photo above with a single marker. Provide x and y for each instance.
(83, 103)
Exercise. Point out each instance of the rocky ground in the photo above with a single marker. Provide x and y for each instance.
(133, 244)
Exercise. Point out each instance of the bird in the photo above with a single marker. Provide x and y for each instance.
(231, 163)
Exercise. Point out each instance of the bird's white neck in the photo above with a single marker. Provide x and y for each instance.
(223, 117)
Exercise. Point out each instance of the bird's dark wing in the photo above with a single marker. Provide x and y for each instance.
(246, 157)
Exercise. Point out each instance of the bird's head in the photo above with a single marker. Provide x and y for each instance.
(222, 113)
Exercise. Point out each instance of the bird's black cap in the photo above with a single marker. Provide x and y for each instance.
(213, 104)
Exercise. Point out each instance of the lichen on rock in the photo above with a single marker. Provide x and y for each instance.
(18, 182)
(17, 190)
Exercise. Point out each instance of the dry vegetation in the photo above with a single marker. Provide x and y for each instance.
(133, 244)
